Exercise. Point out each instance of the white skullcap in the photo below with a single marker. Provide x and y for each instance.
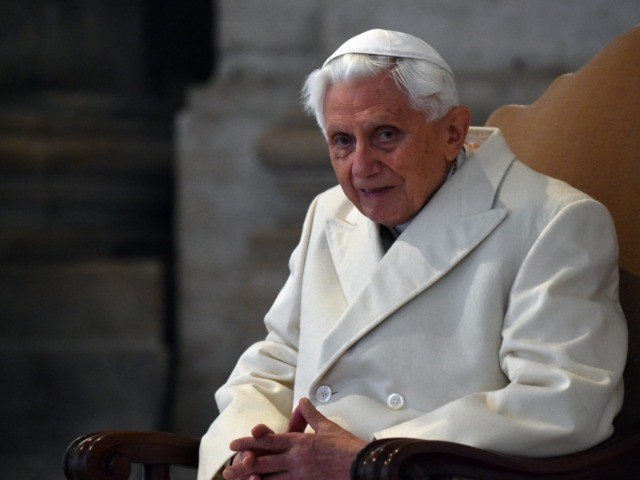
(390, 44)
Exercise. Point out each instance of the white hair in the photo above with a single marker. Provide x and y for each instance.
(429, 87)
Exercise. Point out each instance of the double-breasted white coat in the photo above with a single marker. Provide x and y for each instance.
(492, 321)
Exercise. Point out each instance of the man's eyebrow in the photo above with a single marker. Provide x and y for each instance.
(336, 128)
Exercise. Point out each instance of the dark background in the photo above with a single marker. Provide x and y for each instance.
(88, 95)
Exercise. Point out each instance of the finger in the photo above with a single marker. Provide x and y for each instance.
(263, 466)
(297, 423)
(241, 444)
(260, 431)
(271, 442)
(233, 473)
(229, 474)
(312, 416)
(250, 443)
(248, 459)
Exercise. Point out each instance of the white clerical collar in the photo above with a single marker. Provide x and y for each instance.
(398, 229)
(457, 163)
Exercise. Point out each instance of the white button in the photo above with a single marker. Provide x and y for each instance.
(395, 401)
(323, 393)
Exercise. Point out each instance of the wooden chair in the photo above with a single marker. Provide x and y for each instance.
(110, 455)
(582, 130)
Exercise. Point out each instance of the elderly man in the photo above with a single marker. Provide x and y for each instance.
(442, 291)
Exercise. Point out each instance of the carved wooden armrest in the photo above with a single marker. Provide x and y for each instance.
(406, 458)
(109, 455)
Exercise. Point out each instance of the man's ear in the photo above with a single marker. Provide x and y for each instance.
(458, 120)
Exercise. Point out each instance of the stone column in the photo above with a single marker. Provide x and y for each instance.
(85, 237)
(235, 162)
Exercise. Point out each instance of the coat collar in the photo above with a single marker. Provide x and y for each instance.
(458, 217)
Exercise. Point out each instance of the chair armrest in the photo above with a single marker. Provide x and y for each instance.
(406, 458)
(109, 455)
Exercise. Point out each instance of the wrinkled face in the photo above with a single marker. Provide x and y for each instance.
(388, 158)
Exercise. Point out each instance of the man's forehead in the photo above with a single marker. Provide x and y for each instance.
(380, 89)
(341, 118)
(343, 113)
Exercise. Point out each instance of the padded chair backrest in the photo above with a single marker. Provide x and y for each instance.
(585, 130)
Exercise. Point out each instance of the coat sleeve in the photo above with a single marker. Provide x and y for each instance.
(564, 343)
(260, 388)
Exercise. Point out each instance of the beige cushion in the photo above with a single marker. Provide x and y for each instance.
(585, 129)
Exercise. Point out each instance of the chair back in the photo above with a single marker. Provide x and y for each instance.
(584, 130)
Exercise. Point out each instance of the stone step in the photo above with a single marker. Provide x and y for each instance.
(83, 300)
(55, 391)
(88, 195)
(73, 113)
(87, 192)
(94, 154)
(38, 243)
(33, 466)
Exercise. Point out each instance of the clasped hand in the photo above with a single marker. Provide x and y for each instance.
(327, 453)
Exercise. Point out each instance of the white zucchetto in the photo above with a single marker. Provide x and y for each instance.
(390, 44)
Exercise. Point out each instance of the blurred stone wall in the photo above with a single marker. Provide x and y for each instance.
(91, 150)
(88, 92)
(249, 161)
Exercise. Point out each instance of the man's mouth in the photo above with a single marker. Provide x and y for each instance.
(370, 191)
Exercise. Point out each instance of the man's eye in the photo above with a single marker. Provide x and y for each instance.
(341, 141)
(387, 135)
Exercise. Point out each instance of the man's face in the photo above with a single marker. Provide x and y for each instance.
(388, 159)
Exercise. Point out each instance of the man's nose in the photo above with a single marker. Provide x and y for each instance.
(365, 163)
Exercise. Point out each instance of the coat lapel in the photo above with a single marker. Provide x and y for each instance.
(356, 250)
(455, 221)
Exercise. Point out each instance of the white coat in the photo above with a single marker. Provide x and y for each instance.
(492, 321)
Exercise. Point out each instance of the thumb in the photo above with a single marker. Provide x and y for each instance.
(297, 422)
(311, 415)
